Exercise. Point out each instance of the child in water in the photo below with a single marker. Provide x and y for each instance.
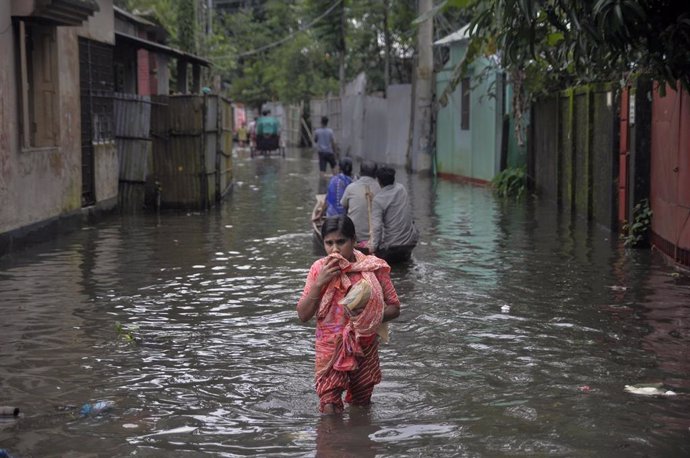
(347, 357)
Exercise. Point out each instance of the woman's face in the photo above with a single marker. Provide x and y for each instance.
(336, 242)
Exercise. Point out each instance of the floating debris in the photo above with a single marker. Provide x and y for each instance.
(96, 408)
(9, 411)
(652, 389)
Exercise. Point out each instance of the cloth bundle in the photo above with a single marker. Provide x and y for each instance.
(358, 296)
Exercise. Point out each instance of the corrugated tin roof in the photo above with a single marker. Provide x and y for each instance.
(157, 47)
(460, 35)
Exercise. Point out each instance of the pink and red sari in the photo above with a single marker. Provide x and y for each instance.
(347, 348)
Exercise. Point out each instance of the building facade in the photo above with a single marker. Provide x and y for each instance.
(58, 160)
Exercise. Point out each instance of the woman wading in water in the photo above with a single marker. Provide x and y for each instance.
(347, 357)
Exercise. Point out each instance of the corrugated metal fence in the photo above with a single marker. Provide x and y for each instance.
(367, 126)
(573, 151)
(132, 136)
(192, 145)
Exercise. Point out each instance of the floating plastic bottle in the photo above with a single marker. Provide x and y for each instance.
(96, 408)
(8, 411)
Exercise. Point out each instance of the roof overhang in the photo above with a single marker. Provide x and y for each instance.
(460, 35)
(64, 12)
(140, 43)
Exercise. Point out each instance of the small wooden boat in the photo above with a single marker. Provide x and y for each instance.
(318, 214)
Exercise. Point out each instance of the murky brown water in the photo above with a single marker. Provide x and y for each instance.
(221, 365)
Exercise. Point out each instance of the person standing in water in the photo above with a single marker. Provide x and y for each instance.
(324, 140)
(347, 357)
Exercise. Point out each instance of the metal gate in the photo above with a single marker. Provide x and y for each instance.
(670, 169)
(96, 92)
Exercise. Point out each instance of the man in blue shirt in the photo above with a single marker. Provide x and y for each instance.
(324, 141)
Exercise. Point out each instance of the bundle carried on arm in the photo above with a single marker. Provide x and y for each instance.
(342, 352)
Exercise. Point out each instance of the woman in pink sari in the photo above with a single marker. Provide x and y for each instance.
(347, 357)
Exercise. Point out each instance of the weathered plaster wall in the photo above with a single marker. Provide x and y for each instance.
(107, 170)
(8, 125)
(40, 184)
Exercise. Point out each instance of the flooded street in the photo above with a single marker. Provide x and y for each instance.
(519, 331)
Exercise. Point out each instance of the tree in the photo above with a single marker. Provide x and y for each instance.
(574, 41)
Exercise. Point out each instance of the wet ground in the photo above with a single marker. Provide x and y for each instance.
(520, 329)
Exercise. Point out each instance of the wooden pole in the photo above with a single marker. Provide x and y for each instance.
(369, 196)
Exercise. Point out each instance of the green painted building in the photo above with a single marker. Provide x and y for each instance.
(472, 142)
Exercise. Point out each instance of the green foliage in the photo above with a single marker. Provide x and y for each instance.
(510, 182)
(187, 25)
(124, 333)
(636, 233)
(577, 41)
(272, 51)
(163, 12)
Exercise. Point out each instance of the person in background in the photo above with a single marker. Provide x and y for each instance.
(252, 133)
(347, 356)
(337, 187)
(242, 135)
(267, 132)
(394, 234)
(357, 200)
(324, 141)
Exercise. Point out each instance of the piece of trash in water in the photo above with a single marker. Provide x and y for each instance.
(505, 308)
(584, 388)
(652, 389)
(618, 288)
(9, 411)
(96, 408)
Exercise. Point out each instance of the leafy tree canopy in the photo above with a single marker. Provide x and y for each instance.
(289, 50)
(562, 42)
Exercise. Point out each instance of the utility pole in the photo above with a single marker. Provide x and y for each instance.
(342, 45)
(209, 12)
(387, 48)
(419, 140)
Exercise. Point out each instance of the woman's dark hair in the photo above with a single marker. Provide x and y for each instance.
(340, 223)
(385, 175)
(346, 166)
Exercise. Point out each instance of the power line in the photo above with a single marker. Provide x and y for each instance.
(286, 38)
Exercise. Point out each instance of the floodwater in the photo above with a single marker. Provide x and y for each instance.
(519, 331)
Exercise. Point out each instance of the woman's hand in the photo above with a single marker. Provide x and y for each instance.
(329, 270)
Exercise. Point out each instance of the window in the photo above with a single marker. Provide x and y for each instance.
(465, 104)
(37, 85)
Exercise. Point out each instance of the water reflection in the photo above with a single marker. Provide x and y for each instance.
(219, 364)
(344, 437)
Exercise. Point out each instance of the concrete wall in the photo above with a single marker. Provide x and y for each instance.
(8, 124)
(369, 127)
(475, 153)
(38, 185)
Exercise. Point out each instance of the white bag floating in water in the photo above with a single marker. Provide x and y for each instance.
(649, 390)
